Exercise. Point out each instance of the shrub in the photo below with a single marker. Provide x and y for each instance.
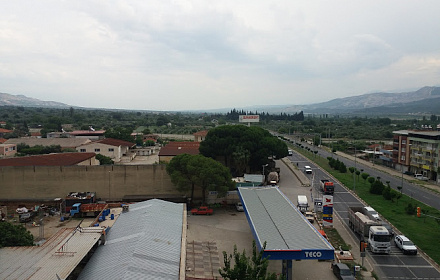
(410, 209)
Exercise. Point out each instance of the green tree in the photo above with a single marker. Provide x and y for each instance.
(187, 171)
(221, 142)
(104, 160)
(14, 235)
(121, 133)
(240, 158)
(365, 176)
(247, 268)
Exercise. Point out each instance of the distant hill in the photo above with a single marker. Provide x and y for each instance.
(423, 101)
(21, 100)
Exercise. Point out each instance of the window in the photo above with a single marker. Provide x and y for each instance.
(82, 150)
(403, 141)
(403, 150)
(111, 149)
(402, 158)
(97, 150)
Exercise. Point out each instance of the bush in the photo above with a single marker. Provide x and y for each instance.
(377, 187)
(410, 209)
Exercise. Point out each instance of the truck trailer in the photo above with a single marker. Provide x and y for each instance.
(378, 237)
(89, 210)
(302, 203)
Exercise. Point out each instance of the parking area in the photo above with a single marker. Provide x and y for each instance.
(228, 227)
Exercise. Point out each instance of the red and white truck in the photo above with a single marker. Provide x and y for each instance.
(327, 186)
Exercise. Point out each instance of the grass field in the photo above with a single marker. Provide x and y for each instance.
(423, 231)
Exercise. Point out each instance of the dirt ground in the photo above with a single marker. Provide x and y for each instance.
(51, 224)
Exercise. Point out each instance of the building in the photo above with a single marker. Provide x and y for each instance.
(4, 131)
(63, 159)
(173, 149)
(89, 134)
(64, 143)
(109, 147)
(199, 136)
(418, 151)
(8, 150)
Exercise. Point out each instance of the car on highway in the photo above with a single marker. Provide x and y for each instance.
(403, 243)
(372, 213)
(342, 271)
(308, 169)
(290, 152)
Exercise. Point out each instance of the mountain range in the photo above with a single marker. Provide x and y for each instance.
(424, 101)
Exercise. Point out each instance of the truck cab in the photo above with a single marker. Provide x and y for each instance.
(379, 240)
(302, 203)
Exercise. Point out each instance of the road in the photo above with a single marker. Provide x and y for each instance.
(393, 266)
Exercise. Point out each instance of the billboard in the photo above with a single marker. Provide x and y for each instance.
(249, 118)
(327, 211)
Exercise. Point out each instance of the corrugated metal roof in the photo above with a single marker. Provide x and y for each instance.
(144, 243)
(274, 219)
(59, 255)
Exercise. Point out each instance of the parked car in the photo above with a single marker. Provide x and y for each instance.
(403, 243)
(239, 207)
(421, 177)
(310, 217)
(342, 271)
(290, 152)
(408, 173)
(202, 210)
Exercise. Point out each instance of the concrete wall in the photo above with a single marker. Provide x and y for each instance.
(109, 182)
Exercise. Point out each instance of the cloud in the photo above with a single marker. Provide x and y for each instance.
(176, 55)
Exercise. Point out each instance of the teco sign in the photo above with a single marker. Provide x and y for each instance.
(249, 118)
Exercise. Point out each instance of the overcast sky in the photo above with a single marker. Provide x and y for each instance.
(182, 55)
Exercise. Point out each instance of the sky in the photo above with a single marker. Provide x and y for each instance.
(201, 55)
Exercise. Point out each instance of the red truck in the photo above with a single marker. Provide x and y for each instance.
(90, 210)
(202, 210)
(327, 186)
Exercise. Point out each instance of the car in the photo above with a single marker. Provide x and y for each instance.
(202, 210)
(388, 227)
(342, 271)
(421, 177)
(372, 213)
(408, 173)
(403, 243)
(239, 207)
(290, 152)
(310, 217)
(308, 169)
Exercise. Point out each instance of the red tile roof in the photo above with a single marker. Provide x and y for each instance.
(3, 140)
(178, 148)
(201, 133)
(63, 159)
(115, 142)
(2, 130)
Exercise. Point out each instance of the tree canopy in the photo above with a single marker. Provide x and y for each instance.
(14, 235)
(187, 171)
(238, 144)
(247, 268)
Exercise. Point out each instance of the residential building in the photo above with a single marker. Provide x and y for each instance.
(109, 147)
(4, 131)
(417, 151)
(8, 150)
(173, 149)
(199, 136)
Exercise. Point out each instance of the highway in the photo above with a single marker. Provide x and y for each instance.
(393, 266)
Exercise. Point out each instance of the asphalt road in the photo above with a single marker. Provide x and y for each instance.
(393, 266)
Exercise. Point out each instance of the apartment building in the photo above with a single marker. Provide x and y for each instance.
(418, 151)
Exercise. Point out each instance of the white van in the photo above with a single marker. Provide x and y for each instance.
(307, 169)
(302, 203)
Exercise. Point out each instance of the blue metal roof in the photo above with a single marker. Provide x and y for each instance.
(274, 219)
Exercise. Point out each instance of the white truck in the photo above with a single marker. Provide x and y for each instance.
(379, 238)
(302, 203)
